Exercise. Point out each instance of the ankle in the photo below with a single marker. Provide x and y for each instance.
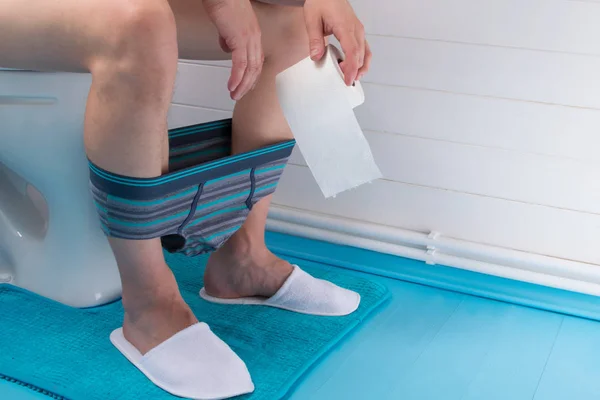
(151, 325)
(242, 268)
(158, 311)
(245, 246)
(139, 303)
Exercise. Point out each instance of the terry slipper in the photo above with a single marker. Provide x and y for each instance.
(194, 363)
(303, 294)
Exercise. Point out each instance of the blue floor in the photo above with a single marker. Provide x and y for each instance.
(429, 343)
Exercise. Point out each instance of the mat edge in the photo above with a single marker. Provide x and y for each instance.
(337, 341)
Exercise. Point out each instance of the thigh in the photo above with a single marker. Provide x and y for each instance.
(63, 35)
(58, 35)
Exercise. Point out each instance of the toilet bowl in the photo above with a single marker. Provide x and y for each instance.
(51, 242)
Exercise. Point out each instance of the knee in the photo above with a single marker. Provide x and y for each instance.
(285, 36)
(140, 41)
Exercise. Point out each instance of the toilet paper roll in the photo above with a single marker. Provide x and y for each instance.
(318, 107)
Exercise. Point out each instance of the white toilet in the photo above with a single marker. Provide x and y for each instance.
(50, 237)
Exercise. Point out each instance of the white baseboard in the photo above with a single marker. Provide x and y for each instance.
(436, 249)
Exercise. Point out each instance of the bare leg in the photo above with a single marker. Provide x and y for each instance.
(244, 266)
(130, 49)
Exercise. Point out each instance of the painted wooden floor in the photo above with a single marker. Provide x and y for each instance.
(429, 343)
(433, 344)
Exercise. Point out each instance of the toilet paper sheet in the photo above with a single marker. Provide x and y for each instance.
(319, 108)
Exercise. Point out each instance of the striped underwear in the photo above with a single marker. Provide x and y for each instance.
(201, 202)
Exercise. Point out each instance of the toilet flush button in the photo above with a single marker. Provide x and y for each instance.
(5, 278)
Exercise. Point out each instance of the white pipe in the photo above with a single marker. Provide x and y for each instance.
(461, 253)
(446, 260)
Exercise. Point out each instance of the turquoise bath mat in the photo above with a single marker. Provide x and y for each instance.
(65, 353)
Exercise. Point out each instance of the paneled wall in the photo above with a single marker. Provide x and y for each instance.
(484, 116)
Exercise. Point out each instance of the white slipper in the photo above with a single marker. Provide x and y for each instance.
(194, 363)
(303, 294)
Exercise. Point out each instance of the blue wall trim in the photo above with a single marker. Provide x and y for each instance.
(447, 278)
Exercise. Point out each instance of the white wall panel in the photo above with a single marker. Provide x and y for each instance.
(539, 229)
(483, 115)
(552, 25)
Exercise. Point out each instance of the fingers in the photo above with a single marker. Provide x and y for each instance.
(352, 62)
(239, 59)
(326, 17)
(367, 63)
(360, 39)
(357, 51)
(255, 59)
(242, 39)
(314, 27)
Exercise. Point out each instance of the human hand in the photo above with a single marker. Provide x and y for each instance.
(326, 17)
(239, 34)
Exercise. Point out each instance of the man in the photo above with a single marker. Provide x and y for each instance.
(131, 49)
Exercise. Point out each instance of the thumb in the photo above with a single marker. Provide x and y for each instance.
(316, 41)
